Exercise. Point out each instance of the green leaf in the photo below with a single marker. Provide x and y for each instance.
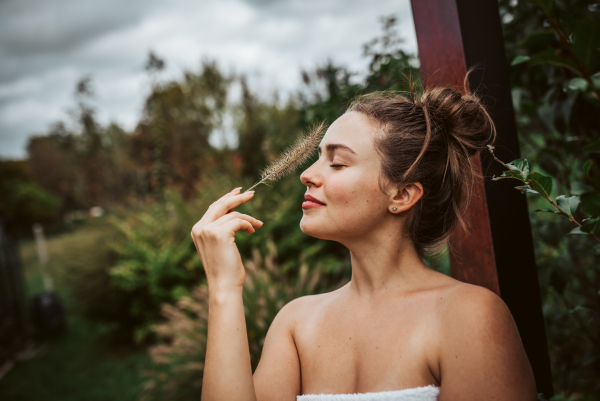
(596, 80)
(592, 147)
(510, 174)
(520, 96)
(520, 165)
(520, 60)
(587, 166)
(577, 309)
(569, 205)
(590, 202)
(579, 188)
(550, 57)
(591, 226)
(586, 41)
(542, 39)
(540, 183)
(546, 5)
(578, 84)
(527, 189)
(555, 212)
(565, 108)
(547, 114)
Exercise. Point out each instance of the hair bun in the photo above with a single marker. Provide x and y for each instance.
(463, 117)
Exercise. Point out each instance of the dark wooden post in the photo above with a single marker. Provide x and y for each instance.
(454, 35)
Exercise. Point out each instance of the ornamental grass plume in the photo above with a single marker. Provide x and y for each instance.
(293, 157)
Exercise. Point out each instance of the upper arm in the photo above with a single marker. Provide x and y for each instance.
(277, 376)
(481, 354)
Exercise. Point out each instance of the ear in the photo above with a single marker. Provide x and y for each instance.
(404, 196)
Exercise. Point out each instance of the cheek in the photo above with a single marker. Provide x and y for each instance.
(342, 190)
(354, 197)
(339, 190)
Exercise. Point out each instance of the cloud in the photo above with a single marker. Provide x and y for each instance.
(40, 26)
(45, 47)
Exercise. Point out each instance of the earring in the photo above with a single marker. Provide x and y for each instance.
(394, 208)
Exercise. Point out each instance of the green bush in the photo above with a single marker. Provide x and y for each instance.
(23, 201)
(554, 50)
(80, 262)
(179, 357)
(156, 260)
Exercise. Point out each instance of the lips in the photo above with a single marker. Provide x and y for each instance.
(311, 202)
(309, 198)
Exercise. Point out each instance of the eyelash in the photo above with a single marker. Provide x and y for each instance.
(336, 165)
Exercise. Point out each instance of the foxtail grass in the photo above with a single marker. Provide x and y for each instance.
(292, 158)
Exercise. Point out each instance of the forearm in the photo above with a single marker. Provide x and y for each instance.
(227, 367)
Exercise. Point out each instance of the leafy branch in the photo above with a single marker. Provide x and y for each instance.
(540, 184)
(578, 48)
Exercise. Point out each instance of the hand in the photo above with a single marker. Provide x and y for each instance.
(214, 238)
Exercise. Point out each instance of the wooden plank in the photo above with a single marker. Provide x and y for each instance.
(469, 263)
(454, 35)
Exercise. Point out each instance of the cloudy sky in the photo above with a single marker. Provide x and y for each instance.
(46, 46)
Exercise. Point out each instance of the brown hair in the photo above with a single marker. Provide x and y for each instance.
(430, 138)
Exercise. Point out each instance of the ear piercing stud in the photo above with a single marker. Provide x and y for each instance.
(394, 208)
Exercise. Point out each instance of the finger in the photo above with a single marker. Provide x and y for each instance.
(236, 225)
(234, 191)
(216, 209)
(237, 215)
(231, 202)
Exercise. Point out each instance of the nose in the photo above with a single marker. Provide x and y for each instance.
(310, 176)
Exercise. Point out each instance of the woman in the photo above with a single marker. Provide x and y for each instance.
(392, 180)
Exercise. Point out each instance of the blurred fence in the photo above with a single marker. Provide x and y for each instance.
(13, 313)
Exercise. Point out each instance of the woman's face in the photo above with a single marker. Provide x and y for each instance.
(345, 179)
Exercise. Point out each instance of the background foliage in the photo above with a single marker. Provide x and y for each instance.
(554, 47)
(139, 275)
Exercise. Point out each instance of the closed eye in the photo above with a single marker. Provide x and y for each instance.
(336, 165)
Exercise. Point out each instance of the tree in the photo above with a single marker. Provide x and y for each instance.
(554, 47)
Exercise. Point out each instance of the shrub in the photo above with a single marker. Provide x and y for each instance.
(80, 262)
(156, 260)
(179, 357)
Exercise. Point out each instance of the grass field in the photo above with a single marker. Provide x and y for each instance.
(78, 365)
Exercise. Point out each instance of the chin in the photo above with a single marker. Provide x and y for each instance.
(314, 228)
(308, 227)
(305, 226)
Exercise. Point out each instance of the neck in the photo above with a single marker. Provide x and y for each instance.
(383, 262)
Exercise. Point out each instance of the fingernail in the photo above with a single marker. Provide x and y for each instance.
(250, 192)
(237, 189)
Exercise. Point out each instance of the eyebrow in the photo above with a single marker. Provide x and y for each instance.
(337, 146)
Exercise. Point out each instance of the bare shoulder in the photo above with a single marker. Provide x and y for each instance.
(297, 310)
(471, 315)
(481, 350)
(454, 299)
(472, 302)
(468, 310)
(277, 376)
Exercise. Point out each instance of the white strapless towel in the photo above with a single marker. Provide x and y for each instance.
(427, 393)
